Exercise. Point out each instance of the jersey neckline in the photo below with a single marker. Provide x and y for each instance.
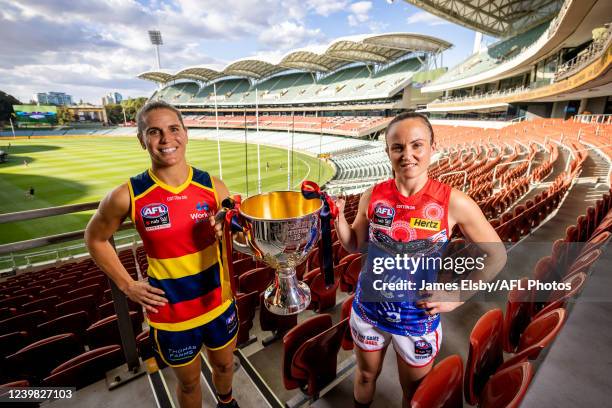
(413, 196)
(173, 190)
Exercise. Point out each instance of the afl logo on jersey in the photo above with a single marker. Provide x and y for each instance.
(155, 216)
(383, 215)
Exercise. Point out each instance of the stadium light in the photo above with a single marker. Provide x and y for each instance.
(156, 39)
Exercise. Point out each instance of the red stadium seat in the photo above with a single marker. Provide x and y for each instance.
(294, 339)
(315, 362)
(485, 353)
(86, 368)
(106, 331)
(66, 280)
(256, 280)
(322, 297)
(277, 324)
(347, 309)
(95, 290)
(56, 290)
(11, 342)
(36, 360)
(596, 241)
(507, 388)
(23, 322)
(241, 266)
(47, 304)
(246, 305)
(15, 301)
(519, 309)
(30, 290)
(313, 259)
(545, 270)
(85, 303)
(348, 281)
(100, 280)
(583, 262)
(442, 387)
(558, 298)
(310, 275)
(76, 323)
(538, 335)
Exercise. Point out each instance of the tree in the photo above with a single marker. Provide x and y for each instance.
(132, 106)
(6, 106)
(64, 116)
(114, 113)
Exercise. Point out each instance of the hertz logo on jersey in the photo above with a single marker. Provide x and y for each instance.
(431, 225)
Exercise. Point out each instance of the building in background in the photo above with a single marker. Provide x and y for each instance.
(52, 98)
(112, 98)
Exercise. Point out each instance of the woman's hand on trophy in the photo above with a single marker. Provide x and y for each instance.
(146, 295)
(217, 223)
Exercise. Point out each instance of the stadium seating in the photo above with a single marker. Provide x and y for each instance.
(34, 361)
(485, 354)
(86, 368)
(536, 336)
(246, 305)
(347, 309)
(508, 387)
(442, 387)
(310, 353)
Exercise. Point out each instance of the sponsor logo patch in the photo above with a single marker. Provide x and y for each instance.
(422, 349)
(203, 212)
(383, 215)
(231, 322)
(155, 216)
(421, 223)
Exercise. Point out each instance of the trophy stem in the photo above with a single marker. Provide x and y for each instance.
(286, 295)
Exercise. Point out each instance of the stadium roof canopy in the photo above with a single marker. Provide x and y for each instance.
(200, 73)
(371, 48)
(157, 76)
(499, 18)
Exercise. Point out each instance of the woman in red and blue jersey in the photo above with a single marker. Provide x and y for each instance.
(187, 294)
(409, 208)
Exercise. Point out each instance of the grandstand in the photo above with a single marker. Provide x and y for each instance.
(555, 68)
(349, 76)
(542, 176)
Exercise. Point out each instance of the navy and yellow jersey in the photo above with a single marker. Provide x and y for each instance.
(183, 254)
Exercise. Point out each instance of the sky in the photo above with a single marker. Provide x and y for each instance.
(90, 48)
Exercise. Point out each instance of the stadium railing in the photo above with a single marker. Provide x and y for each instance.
(134, 365)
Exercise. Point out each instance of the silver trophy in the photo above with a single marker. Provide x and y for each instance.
(281, 228)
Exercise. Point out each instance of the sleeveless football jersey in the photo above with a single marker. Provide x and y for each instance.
(183, 254)
(422, 219)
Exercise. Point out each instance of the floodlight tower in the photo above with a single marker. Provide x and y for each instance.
(156, 40)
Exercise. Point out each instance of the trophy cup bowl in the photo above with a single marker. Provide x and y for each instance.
(281, 228)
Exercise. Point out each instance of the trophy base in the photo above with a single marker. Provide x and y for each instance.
(287, 296)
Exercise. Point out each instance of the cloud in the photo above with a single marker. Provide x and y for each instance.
(287, 35)
(326, 7)
(90, 48)
(425, 18)
(359, 12)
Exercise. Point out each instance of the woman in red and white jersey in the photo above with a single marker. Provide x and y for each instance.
(411, 207)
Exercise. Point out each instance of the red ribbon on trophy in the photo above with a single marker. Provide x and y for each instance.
(311, 190)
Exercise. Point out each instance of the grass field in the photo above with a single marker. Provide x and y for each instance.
(69, 170)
